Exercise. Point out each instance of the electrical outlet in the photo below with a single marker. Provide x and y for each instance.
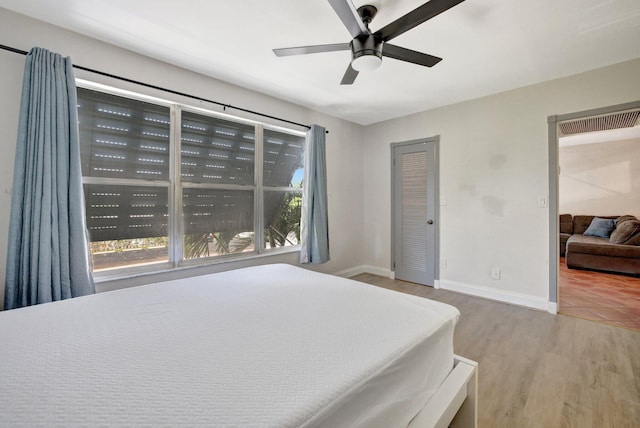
(443, 263)
(542, 201)
(443, 201)
(495, 273)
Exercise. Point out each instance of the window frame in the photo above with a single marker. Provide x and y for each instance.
(175, 186)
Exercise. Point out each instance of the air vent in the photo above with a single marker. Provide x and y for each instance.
(600, 123)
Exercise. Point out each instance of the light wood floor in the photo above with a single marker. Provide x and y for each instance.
(542, 370)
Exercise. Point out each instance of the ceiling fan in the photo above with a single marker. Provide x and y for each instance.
(367, 48)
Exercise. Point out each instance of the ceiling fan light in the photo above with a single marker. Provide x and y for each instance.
(366, 53)
(366, 62)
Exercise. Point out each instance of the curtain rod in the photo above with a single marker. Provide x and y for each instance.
(171, 91)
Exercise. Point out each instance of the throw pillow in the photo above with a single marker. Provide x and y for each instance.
(624, 230)
(625, 218)
(634, 240)
(601, 227)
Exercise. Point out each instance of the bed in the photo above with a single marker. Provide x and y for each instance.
(266, 346)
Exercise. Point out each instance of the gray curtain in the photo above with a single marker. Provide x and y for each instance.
(48, 257)
(314, 232)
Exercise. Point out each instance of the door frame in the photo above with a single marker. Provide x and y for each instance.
(436, 197)
(554, 166)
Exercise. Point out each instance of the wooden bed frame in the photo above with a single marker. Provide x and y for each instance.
(455, 402)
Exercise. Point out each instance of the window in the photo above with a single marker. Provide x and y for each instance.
(166, 184)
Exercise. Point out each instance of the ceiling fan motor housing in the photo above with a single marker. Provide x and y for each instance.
(366, 45)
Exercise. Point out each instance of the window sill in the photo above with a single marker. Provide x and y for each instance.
(129, 277)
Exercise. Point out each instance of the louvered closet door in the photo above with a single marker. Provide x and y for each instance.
(414, 220)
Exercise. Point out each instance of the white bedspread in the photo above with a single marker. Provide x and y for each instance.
(268, 346)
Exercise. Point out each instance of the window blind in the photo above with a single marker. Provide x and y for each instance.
(123, 138)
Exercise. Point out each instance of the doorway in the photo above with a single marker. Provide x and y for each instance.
(414, 211)
(587, 129)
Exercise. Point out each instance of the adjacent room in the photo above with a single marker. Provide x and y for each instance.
(330, 213)
(598, 179)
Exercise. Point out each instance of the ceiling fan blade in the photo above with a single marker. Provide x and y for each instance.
(408, 55)
(302, 50)
(415, 18)
(349, 17)
(349, 76)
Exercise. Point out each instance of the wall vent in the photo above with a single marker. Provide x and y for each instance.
(600, 123)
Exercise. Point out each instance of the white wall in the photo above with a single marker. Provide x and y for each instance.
(343, 142)
(600, 178)
(493, 168)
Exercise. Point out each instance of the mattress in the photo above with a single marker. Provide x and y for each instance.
(266, 346)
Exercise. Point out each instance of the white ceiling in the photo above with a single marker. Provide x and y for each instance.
(596, 137)
(488, 46)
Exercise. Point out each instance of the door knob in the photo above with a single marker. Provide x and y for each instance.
(429, 221)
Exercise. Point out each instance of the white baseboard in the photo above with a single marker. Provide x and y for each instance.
(387, 273)
(498, 295)
(460, 287)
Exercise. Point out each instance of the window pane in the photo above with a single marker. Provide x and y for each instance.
(216, 150)
(127, 225)
(283, 159)
(122, 138)
(282, 218)
(217, 222)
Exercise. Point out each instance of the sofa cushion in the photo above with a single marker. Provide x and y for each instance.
(566, 224)
(581, 222)
(601, 227)
(583, 244)
(563, 243)
(624, 231)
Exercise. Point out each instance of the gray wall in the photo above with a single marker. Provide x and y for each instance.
(493, 169)
(493, 161)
